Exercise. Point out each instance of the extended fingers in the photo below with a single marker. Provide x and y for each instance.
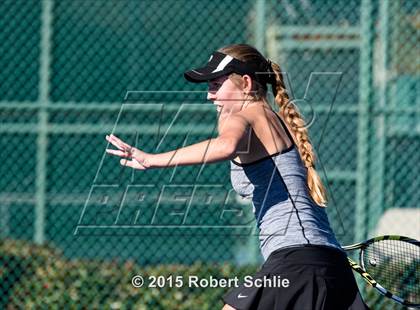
(125, 151)
(118, 143)
(119, 153)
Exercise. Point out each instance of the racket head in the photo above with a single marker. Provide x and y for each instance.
(394, 262)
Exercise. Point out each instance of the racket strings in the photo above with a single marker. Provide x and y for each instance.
(395, 264)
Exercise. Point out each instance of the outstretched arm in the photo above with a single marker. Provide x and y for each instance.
(220, 148)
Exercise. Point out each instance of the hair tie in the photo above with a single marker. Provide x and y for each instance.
(271, 77)
(269, 68)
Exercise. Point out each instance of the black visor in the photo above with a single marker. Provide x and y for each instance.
(219, 65)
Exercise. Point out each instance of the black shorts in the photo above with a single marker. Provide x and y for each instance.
(319, 277)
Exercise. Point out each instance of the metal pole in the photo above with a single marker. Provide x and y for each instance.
(42, 141)
(377, 169)
(260, 26)
(363, 132)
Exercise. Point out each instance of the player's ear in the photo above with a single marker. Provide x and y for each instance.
(247, 83)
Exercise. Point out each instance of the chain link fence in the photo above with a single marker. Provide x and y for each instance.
(73, 71)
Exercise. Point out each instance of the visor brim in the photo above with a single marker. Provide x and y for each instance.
(203, 75)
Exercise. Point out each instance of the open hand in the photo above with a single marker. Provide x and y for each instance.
(131, 156)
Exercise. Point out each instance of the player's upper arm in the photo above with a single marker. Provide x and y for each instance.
(231, 132)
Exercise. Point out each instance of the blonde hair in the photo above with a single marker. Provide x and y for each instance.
(288, 112)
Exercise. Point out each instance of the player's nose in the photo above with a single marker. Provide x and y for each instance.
(211, 95)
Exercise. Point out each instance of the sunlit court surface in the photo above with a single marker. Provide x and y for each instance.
(197, 154)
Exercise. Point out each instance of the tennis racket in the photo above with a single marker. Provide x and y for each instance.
(391, 264)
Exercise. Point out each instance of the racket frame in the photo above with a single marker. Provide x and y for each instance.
(361, 269)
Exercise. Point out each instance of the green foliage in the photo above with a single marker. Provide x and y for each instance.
(378, 301)
(34, 276)
(40, 277)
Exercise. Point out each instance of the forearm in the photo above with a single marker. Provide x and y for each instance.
(207, 151)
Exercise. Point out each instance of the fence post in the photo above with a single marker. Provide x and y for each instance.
(42, 140)
(260, 26)
(364, 118)
(378, 134)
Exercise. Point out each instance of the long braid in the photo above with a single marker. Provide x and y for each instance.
(295, 122)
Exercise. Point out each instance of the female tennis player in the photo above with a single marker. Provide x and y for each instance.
(273, 163)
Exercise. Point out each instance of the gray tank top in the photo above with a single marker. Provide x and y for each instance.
(285, 213)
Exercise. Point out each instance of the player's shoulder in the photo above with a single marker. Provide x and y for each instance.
(255, 114)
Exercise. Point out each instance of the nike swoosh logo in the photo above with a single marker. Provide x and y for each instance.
(242, 296)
